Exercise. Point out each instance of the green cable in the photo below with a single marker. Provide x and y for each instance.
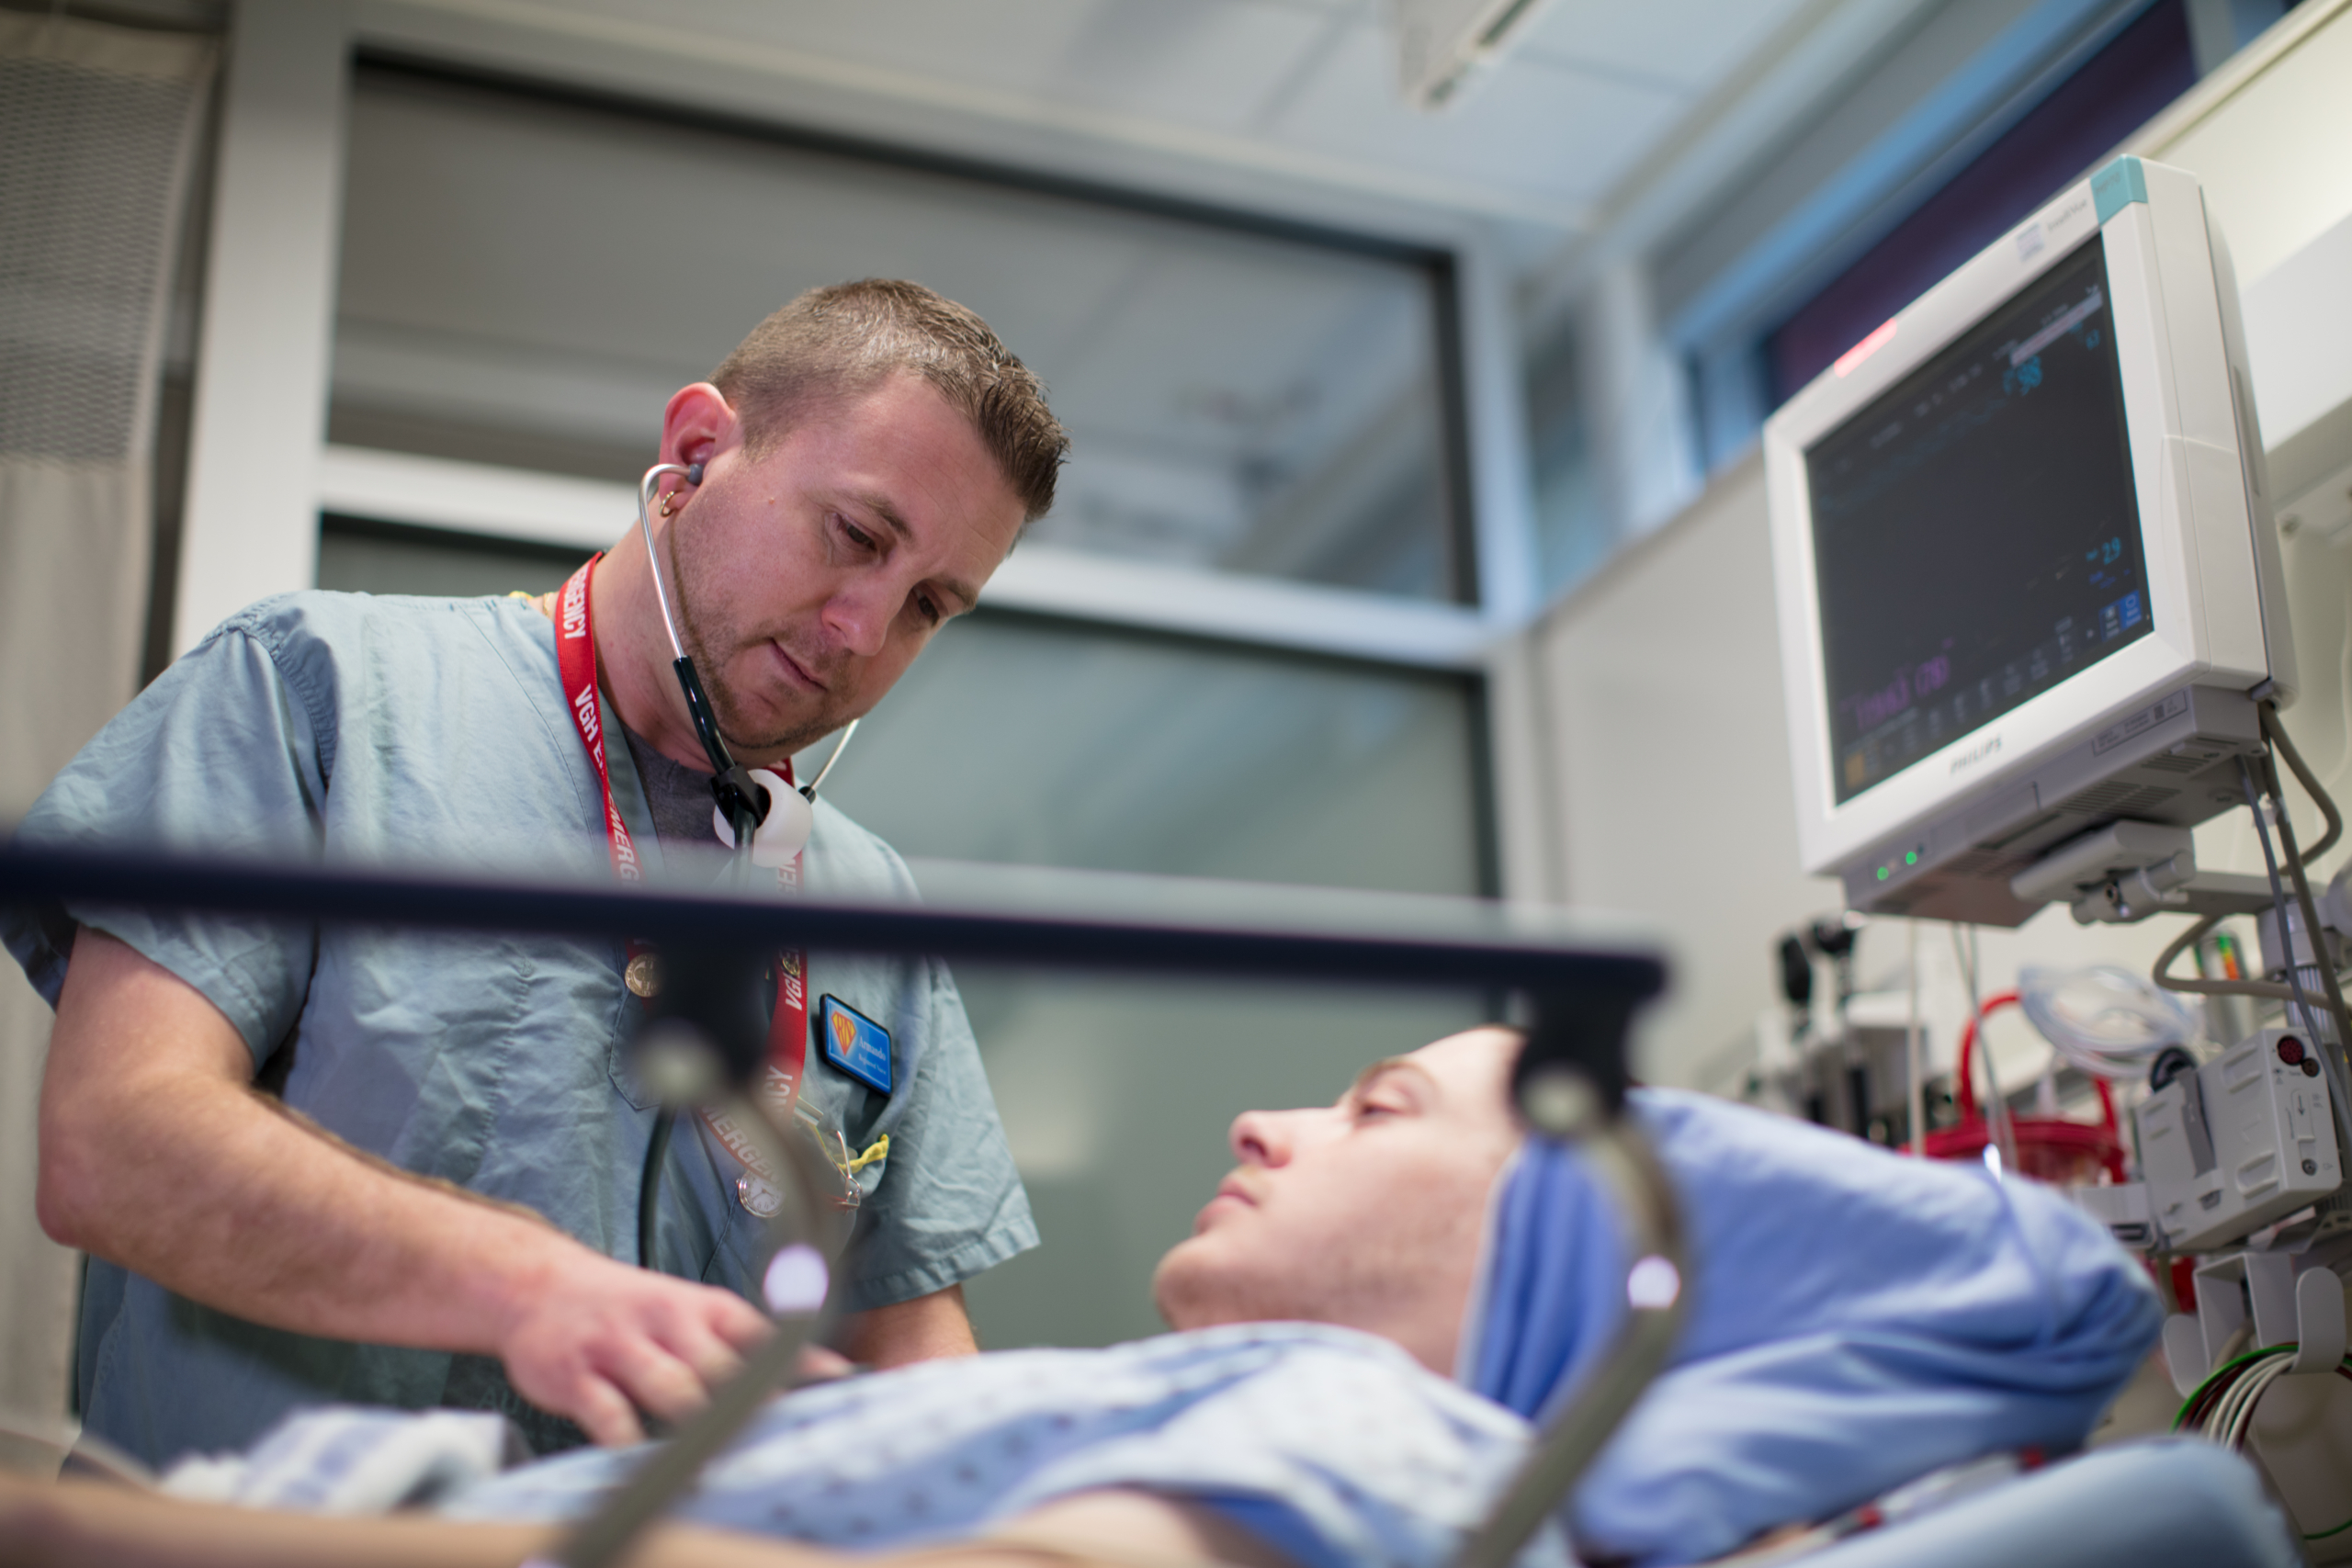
(2218, 1374)
(2226, 1370)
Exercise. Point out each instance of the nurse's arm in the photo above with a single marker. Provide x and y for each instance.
(921, 1330)
(80, 1524)
(158, 1154)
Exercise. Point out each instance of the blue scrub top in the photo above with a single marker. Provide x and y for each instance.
(402, 730)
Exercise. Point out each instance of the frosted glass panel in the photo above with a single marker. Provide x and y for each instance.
(1038, 743)
(524, 283)
(1024, 740)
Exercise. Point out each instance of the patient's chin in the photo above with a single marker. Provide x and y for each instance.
(1208, 1281)
(1192, 1290)
(1172, 1288)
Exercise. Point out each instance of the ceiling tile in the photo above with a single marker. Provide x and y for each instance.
(1693, 44)
(1204, 62)
(1532, 128)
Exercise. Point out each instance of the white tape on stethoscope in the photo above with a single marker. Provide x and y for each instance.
(792, 814)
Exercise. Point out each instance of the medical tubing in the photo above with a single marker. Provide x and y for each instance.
(1997, 1118)
(739, 797)
(730, 784)
(2269, 989)
(808, 791)
(2332, 1054)
(2278, 898)
(1967, 1098)
(1967, 1090)
(653, 557)
(2312, 932)
(2336, 1059)
(649, 1180)
(2331, 1059)
(1653, 1230)
(2077, 1041)
(2221, 1408)
(2276, 733)
(1915, 1053)
(648, 1187)
(670, 1467)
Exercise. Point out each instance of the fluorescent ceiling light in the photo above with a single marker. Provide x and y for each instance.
(1442, 44)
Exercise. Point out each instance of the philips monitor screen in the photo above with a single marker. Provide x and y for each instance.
(1976, 537)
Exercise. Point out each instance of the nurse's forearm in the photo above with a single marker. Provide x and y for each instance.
(923, 1329)
(157, 1153)
(77, 1526)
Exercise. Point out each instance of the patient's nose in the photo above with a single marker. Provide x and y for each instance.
(1257, 1138)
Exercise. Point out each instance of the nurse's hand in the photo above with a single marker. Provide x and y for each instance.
(599, 1341)
(820, 1363)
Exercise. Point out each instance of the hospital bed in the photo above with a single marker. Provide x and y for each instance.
(2148, 1505)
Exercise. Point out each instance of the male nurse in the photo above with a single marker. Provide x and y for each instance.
(312, 1164)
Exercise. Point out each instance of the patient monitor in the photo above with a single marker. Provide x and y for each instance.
(2030, 589)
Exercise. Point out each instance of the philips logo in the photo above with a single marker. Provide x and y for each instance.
(1989, 747)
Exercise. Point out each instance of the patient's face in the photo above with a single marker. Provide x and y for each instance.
(1367, 1212)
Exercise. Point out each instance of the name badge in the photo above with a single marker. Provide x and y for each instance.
(855, 1043)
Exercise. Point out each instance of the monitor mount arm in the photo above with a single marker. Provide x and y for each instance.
(2121, 874)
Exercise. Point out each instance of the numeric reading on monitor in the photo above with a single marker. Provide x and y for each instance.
(1977, 534)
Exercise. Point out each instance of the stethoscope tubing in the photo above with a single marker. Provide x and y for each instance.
(692, 476)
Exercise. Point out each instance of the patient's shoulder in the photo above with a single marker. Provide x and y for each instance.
(1723, 1153)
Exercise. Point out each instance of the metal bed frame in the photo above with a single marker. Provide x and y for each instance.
(1577, 996)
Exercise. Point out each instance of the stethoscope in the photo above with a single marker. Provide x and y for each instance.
(765, 820)
(744, 798)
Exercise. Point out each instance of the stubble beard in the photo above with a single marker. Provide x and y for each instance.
(700, 635)
(1194, 1287)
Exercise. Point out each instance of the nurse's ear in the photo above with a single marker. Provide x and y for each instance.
(696, 426)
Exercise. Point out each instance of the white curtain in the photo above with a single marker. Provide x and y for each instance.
(98, 127)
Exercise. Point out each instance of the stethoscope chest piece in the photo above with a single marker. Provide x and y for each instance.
(784, 833)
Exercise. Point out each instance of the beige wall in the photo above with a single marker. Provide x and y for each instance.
(2271, 136)
(1661, 679)
(1667, 747)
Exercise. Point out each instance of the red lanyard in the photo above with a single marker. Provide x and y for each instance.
(575, 652)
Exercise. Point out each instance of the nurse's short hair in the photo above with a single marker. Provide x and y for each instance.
(840, 341)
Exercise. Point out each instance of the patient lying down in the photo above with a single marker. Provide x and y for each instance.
(1379, 1299)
